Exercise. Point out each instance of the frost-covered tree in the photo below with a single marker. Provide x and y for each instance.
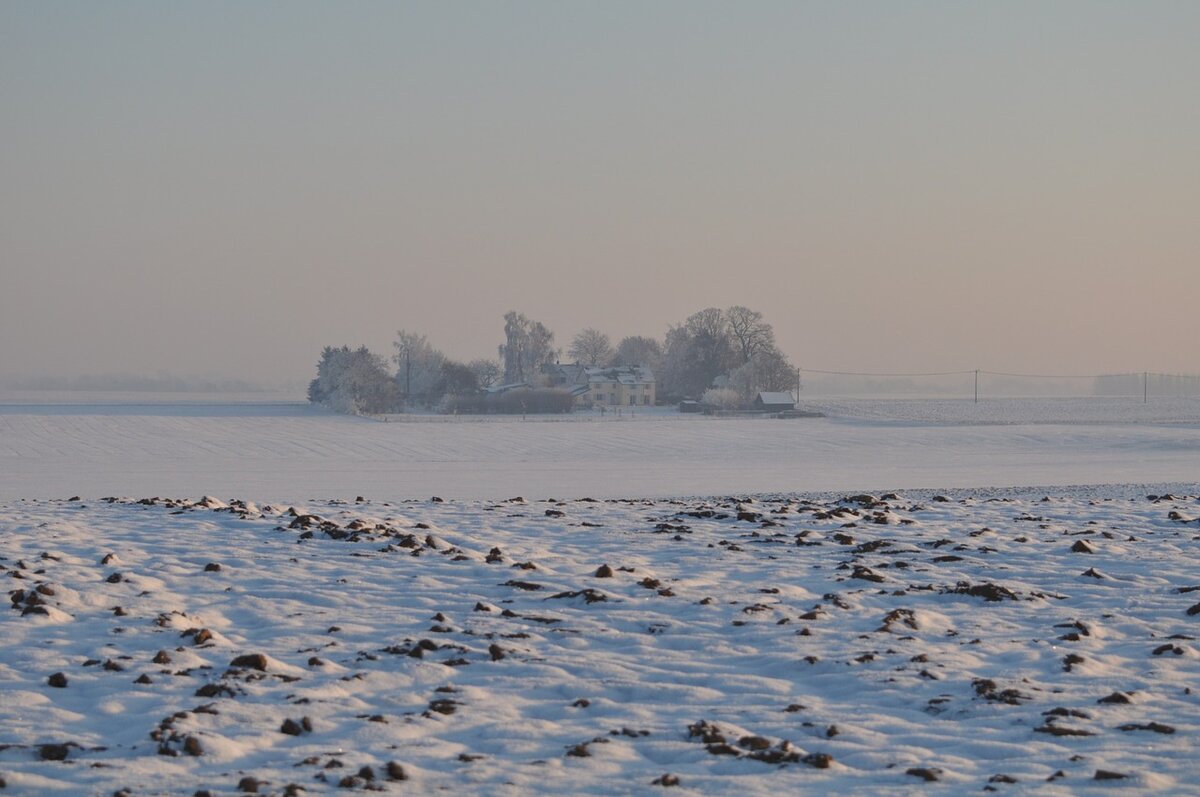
(512, 351)
(697, 352)
(713, 343)
(320, 388)
(487, 372)
(767, 370)
(723, 398)
(591, 347)
(528, 345)
(418, 366)
(638, 350)
(353, 381)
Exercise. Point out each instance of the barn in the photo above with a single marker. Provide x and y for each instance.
(774, 402)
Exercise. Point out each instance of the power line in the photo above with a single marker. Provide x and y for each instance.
(1048, 376)
(994, 373)
(1172, 384)
(863, 373)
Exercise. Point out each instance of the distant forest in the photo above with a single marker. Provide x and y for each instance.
(722, 356)
(162, 383)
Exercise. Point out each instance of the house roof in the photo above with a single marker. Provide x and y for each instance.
(776, 398)
(625, 374)
(566, 370)
(495, 389)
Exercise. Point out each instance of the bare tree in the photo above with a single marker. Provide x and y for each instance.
(750, 333)
(591, 347)
(707, 323)
(418, 365)
(697, 351)
(539, 350)
(527, 347)
(487, 372)
(637, 350)
(512, 351)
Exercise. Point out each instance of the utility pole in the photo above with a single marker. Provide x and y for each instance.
(1145, 387)
(976, 385)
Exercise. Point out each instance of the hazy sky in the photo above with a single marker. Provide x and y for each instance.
(223, 188)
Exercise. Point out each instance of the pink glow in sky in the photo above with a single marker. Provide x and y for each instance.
(224, 188)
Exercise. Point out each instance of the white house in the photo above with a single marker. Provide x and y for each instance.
(613, 386)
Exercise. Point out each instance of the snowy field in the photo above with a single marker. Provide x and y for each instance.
(970, 632)
(291, 452)
(907, 645)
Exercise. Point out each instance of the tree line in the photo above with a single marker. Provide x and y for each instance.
(720, 356)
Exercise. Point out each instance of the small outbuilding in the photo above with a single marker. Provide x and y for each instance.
(774, 402)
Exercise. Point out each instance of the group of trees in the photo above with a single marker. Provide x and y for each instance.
(736, 344)
(357, 381)
(424, 374)
(734, 347)
(353, 381)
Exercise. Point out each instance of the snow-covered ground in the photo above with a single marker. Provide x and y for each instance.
(142, 398)
(292, 452)
(1025, 411)
(795, 639)
(777, 646)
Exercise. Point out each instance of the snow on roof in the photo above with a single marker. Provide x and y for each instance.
(776, 398)
(625, 374)
(505, 388)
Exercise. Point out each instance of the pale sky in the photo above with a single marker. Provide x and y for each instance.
(221, 189)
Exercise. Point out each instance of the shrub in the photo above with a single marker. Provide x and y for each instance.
(512, 402)
(722, 398)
